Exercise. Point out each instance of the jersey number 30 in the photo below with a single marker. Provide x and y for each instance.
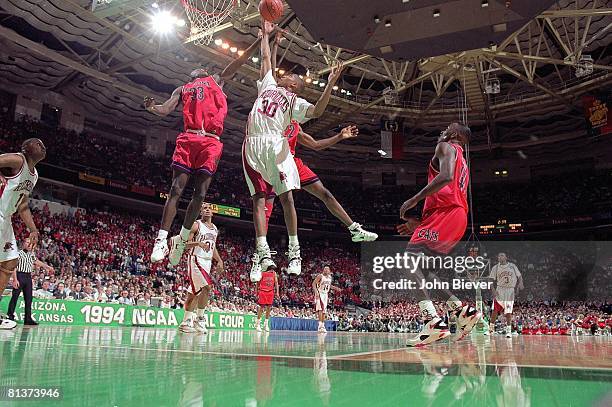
(268, 108)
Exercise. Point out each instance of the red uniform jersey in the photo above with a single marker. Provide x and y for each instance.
(454, 194)
(204, 105)
(266, 284)
(291, 133)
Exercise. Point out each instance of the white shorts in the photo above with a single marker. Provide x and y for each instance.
(199, 273)
(8, 244)
(504, 300)
(321, 303)
(268, 165)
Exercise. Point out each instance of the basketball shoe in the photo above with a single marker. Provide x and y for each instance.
(432, 331)
(508, 331)
(295, 260)
(6, 323)
(200, 325)
(160, 250)
(321, 328)
(177, 247)
(467, 318)
(187, 327)
(358, 234)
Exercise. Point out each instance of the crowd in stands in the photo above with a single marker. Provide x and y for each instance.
(575, 193)
(103, 257)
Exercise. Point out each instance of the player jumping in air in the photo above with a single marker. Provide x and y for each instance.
(321, 286)
(309, 181)
(267, 288)
(266, 156)
(201, 253)
(18, 177)
(198, 149)
(443, 224)
(509, 279)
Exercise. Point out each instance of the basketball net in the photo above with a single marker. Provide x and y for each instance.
(205, 16)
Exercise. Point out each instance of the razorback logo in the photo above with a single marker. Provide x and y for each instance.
(282, 176)
(26, 185)
(8, 246)
(429, 234)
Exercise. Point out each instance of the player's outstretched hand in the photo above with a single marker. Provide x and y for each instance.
(336, 72)
(34, 235)
(408, 228)
(148, 102)
(349, 132)
(406, 206)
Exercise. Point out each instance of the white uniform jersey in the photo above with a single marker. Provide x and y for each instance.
(16, 189)
(324, 285)
(274, 109)
(206, 234)
(506, 275)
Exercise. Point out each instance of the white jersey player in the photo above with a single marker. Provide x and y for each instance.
(321, 286)
(266, 156)
(508, 278)
(201, 252)
(18, 177)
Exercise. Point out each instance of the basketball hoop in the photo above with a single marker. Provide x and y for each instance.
(205, 16)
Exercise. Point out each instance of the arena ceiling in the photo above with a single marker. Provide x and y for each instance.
(106, 56)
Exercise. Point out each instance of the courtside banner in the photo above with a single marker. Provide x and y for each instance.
(61, 312)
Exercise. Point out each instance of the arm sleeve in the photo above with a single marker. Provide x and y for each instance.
(300, 108)
(518, 273)
(267, 82)
(493, 273)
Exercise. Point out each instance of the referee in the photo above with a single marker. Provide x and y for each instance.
(22, 281)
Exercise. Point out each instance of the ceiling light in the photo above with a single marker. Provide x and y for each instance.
(484, 4)
(240, 52)
(315, 82)
(163, 22)
(218, 41)
(387, 23)
(348, 93)
(308, 80)
(343, 91)
(155, 5)
(376, 19)
(335, 87)
(436, 13)
(321, 84)
(233, 50)
(225, 45)
(255, 59)
(281, 71)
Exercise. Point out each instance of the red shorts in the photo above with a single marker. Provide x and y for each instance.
(195, 153)
(307, 176)
(441, 229)
(265, 297)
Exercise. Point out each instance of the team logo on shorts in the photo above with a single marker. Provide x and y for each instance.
(282, 176)
(428, 234)
(8, 246)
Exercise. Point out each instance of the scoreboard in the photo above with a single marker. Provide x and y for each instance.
(502, 226)
(225, 210)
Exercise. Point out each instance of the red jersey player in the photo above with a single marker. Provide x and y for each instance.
(311, 183)
(198, 148)
(443, 225)
(267, 287)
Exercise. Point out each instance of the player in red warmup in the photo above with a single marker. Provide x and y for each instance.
(198, 149)
(443, 224)
(267, 287)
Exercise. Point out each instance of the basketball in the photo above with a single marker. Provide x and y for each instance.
(271, 10)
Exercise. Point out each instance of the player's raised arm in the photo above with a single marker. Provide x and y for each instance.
(26, 217)
(233, 66)
(190, 242)
(277, 39)
(167, 107)
(318, 109)
(308, 141)
(266, 54)
(11, 160)
(445, 155)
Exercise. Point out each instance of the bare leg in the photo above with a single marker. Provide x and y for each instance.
(318, 189)
(179, 181)
(190, 303)
(259, 214)
(203, 297)
(286, 200)
(6, 271)
(268, 311)
(202, 182)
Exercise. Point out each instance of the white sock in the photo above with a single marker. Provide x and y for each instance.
(184, 233)
(200, 312)
(453, 303)
(188, 316)
(162, 234)
(261, 242)
(428, 311)
(353, 226)
(293, 241)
